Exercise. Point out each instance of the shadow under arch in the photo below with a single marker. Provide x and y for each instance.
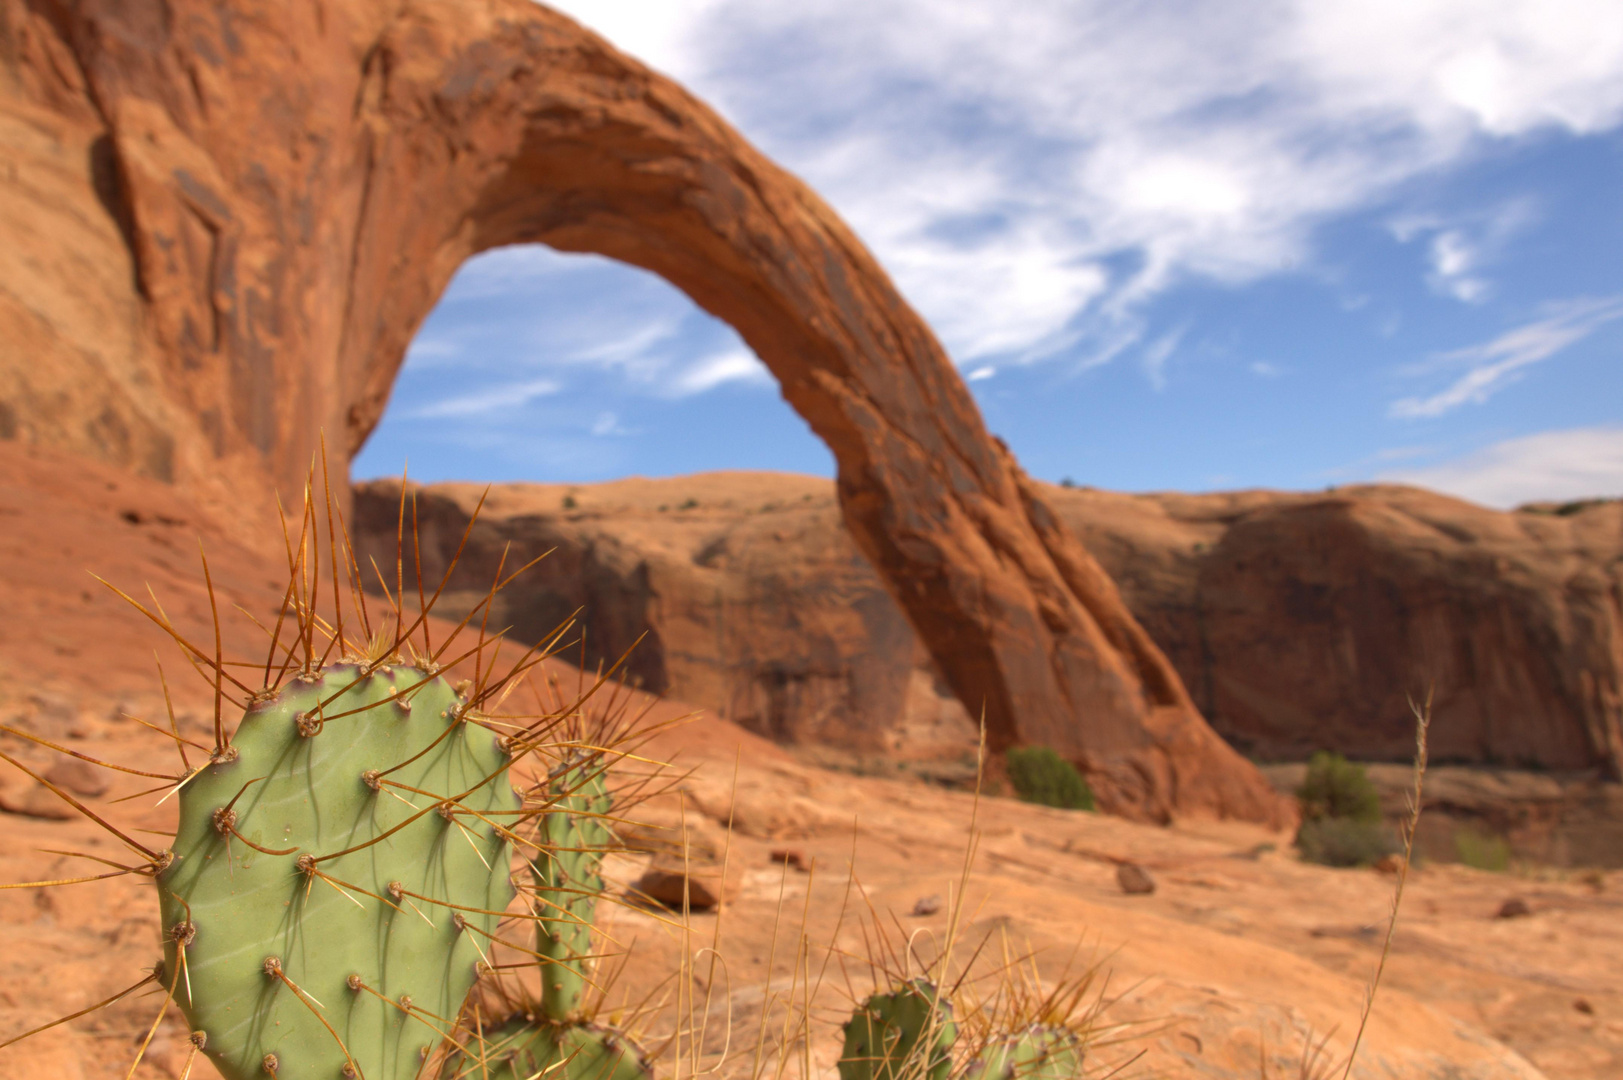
(395, 140)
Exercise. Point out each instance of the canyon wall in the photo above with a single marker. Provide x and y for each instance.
(1299, 621)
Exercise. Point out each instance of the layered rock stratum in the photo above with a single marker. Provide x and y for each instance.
(226, 220)
(1299, 621)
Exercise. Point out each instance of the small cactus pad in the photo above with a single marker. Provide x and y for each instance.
(568, 881)
(1037, 1053)
(525, 1048)
(335, 872)
(906, 1034)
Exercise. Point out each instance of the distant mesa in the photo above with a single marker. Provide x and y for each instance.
(1298, 621)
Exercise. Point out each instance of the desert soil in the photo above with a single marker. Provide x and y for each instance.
(1240, 958)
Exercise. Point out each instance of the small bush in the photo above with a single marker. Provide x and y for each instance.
(1338, 788)
(1339, 841)
(1482, 851)
(1041, 776)
(688, 504)
(1341, 815)
(569, 502)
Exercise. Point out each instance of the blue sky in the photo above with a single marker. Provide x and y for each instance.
(1184, 246)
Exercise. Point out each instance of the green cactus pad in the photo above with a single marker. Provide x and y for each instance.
(906, 1034)
(568, 881)
(526, 1047)
(401, 919)
(1038, 1053)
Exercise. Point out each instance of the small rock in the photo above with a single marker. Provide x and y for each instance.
(1134, 879)
(37, 802)
(1583, 1006)
(1389, 864)
(926, 905)
(1514, 908)
(79, 777)
(669, 882)
(793, 858)
(52, 716)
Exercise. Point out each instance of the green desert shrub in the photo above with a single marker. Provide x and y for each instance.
(1482, 851)
(1041, 776)
(1336, 841)
(1341, 814)
(1338, 788)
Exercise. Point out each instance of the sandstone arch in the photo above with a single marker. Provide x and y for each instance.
(296, 182)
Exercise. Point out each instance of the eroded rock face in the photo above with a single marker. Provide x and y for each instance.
(1304, 621)
(742, 592)
(1299, 621)
(297, 183)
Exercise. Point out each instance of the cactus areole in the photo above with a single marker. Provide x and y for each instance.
(337, 876)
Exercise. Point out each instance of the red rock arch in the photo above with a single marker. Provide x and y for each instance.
(298, 181)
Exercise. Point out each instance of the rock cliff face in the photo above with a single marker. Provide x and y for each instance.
(1308, 621)
(743, 592)
(1298, 621)
(262, 202)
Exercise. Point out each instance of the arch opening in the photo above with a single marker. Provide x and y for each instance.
(536, 365)
(686, 512)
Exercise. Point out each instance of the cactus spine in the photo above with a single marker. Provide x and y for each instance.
(334, 870)
(906, 1034)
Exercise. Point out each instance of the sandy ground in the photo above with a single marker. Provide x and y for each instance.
(1240, 958)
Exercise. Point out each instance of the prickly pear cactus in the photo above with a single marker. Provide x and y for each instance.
(568, 881)
(906, 1034)
(1037, 1053)
(526, 1047)
(337, 873)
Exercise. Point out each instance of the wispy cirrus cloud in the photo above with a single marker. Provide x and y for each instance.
(1552, 465)
(1033, 176)
(1462, 247)
(1494, 365)
(485, 401)
(732, 366)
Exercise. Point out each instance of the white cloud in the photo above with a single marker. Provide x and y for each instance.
(1155, 357)
(1493, 365)
(1031, 174)
(734, 365)
(483, 402)
(1463, 246)
(426, 351)
(986, 371)
(1553, 465)
(608, 423)
(1452, 260)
